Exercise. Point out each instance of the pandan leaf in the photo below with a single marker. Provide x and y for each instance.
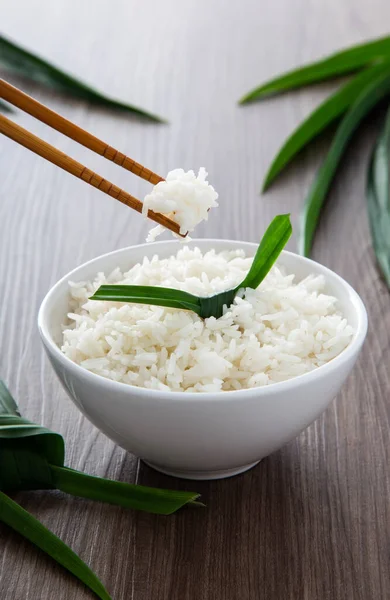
(273, 242)
(371, 95)
(344, 62)
(138, 497)
(32, 457)
(137, 294)
(14, 429)
(323, 116)
(378, 199)
(17, 60)
(30, 528)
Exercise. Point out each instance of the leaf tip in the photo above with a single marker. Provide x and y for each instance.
(160, 120)
(265, 185)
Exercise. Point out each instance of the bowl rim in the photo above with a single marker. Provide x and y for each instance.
(274, 388)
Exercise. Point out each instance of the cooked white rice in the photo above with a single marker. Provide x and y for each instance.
(282, 329)
(187, 198)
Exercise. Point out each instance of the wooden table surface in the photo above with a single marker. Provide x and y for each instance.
(310, 522)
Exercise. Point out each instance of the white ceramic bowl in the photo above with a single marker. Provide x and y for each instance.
(200, 435)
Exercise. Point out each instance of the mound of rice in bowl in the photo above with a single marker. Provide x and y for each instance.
(278, 331)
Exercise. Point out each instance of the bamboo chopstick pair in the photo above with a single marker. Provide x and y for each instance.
(44, 114)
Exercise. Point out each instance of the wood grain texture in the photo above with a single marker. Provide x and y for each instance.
(312, 521)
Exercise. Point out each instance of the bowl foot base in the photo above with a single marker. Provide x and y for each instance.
(202, 475)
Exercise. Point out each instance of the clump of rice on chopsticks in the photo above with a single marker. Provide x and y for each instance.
(185, 197)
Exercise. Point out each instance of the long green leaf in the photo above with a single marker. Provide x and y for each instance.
(347, 61)
(369, 97)
(145, 294)
(153, 500)
(16, 59)
(378, 199)
(271, 245)
(273, 242)
(21, 521)
(320, 119)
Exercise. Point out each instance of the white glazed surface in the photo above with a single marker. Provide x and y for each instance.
(207, 435)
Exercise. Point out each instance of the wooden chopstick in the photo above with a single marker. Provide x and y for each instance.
(41, 112)
(62, 160)
(44, 114)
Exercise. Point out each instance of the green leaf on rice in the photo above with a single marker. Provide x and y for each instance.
(271, 245)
